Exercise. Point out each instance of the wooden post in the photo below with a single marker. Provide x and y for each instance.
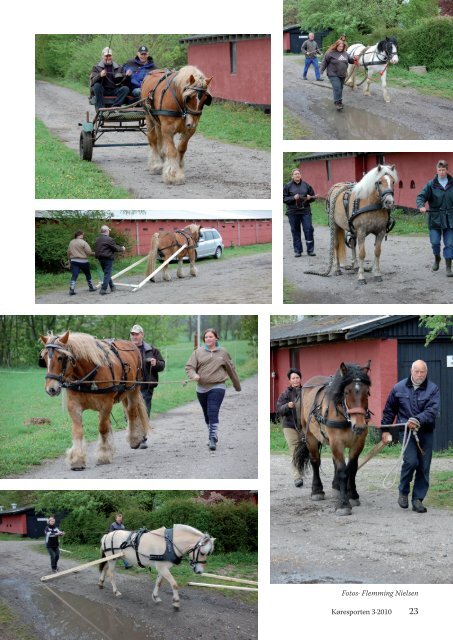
(221, 586)
(164, 264)
(81, 567)
(213, 575)
(375, 450)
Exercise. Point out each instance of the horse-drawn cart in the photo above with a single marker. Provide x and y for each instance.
(110, 119)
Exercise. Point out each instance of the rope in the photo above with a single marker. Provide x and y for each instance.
(394, 470)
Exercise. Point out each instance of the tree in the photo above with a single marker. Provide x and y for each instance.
(290, 12)
(436, 325)
(349, 16)
(276, 320)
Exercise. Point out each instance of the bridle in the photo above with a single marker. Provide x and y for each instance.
(203, 97)
(342, 409)
(386, 191)
(196, 551)
(67, 357)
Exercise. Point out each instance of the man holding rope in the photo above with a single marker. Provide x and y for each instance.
(415, 402)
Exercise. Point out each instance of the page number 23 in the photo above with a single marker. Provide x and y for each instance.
(413, 611)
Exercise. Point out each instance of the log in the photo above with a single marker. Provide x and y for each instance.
(164, 264)
(81, 567)
(131, 266)
(221, 586)
(375, 450)
(229, 579)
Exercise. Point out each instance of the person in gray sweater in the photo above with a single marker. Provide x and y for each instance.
(336, 63)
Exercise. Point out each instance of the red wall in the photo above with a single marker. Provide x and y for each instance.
(286, 41)
(236, 232)
(414, 171)
(252, 81)
(324, 359)
(15, 523)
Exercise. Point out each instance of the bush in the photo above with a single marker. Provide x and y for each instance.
(86, 530)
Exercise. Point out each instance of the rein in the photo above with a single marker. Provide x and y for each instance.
(356, 211)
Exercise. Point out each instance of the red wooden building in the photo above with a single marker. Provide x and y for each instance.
(240, 65)
(317, 345)
(322, 170)
(22, 521)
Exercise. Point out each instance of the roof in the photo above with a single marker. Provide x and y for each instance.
(223, 37)
(221, 215)
(9, 512)
(291, 27)
(329, 329)
(325, 156)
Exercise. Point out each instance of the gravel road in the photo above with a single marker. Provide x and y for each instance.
(405, 267)
(246, 280)
(205, 614)
(177, 445)
(363, 118)
(378, 543)
(213, 169)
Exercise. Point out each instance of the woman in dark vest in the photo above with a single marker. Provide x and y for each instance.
(289, 408)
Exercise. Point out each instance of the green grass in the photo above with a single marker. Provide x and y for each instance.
(22, 397)
(440, 492)
(293, 128)
(59, 173)
(51, 282)
(11, 627)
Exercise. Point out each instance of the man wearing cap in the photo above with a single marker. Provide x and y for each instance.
(105, 249)
(107, 79)
(137, 68)
(152, 363)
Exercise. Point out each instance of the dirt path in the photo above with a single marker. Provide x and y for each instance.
(405, 267)
(409, 115)
(177, 445)
(213, 169)
(245, 279)
(204, 614)
(378, 543)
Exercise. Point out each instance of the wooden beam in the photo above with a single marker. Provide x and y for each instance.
(164, 264)
(81, 567)
(131, 266)
(228, 578)
(221, 586)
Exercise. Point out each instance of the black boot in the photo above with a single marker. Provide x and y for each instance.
(448, 263)
(436, 263)
(72, 292)
(90, 286)
(212, 444)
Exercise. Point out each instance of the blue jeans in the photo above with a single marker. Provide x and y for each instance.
(296, 221)
(76, 268)
(337, 86)
(211, 402)
(54, 554)
(435, 237)
(107, 266)
(414, 461)
(314, 62)
(121, 94)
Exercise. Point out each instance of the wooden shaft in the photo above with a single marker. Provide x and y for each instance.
(221, 586)
(213, 575)
(164, 264)
(131, 266)
(81, 567)
(374, 451)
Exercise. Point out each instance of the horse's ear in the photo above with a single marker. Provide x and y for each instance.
(64, 338)
(392, 168)
(367, 367)
(191, 79)
(379, 167)
(208, 81)
(44, 339)
(343, 369)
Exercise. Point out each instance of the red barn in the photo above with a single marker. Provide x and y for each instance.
(239, 64)
(322, 170)
(22, 521)
(317, 345)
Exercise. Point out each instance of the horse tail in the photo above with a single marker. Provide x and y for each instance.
(151, 264)
(330, 209)
(301, 456)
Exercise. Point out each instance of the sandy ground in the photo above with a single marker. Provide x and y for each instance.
(405, 267)
(177, 446)
(409, 115)
(213, 169)
(205, 614)
(245, 280)
(378, 543)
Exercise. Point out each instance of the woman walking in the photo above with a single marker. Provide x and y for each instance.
(210, 365)
(336, 63)
(288, 407)
(53, 533)
(78, 253)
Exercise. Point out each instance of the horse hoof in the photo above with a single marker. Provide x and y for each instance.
(316, 497)
(343, 511)
(355, 502)
(338, 273)
(156, 600)
(77, 468)
(176, 606)
(101, 586)
(336, 493)
(137, 447)
(362, 281)
(118, 594)
(378, 278)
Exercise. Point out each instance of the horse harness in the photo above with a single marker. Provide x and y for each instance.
(386, 59)
(187, 239)
(169, 555)
(184, 110)
(82, 385)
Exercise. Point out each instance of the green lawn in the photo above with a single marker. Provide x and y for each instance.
(59, 172)
(293, 129)
(23, 397)
(11, 627)
(50, 282)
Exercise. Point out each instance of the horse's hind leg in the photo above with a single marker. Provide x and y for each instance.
(76, 455)
(366, 89)
(361, 242)
(111, 573)
(193, 268)
(180, 272)
(165, 274)
(317, 490)
(165, 573)
(105, 449)
(137, 418)
(155, 595)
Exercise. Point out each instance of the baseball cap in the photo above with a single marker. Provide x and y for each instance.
(142, 49)
(105, 228)
(136, 329)
(107, 51)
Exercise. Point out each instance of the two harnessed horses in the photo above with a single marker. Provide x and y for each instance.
(334, 411)
(173, 102)
(374, 59)
(96, 375)
(165, 243)
(162, 548)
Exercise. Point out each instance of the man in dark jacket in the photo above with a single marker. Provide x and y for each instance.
(438, 193)
(152, 363)
(108, 79)
(297, 195)
(139, 67)
(415, 401)
(105, 249)
(289, 408)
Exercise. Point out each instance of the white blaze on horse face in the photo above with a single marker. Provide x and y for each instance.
(394, 58)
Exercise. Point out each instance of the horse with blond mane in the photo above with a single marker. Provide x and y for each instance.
(165, 243)
(174, 102)
(96, 375)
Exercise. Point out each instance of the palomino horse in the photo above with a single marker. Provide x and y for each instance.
(355, 211)
(161, 549)
(96, 374)
(165, 243)
(373, 59)
(334, 411)
(174, 102)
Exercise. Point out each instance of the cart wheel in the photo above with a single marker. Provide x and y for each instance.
(86, 146)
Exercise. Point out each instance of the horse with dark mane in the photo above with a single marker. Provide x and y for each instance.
(373, 59)
(96, 375)
(174, 102)
(165, 243)
(334, 411)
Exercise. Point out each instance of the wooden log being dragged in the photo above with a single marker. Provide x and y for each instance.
(81, 567)
(228, 578)
(221, 586)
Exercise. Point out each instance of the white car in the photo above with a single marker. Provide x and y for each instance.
(210, 244)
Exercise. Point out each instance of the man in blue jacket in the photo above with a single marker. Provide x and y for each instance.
(137, 69)
(415, 401)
